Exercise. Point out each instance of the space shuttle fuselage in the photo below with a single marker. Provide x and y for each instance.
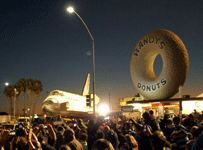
(61, 102)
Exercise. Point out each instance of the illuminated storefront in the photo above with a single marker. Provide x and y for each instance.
(170, 106)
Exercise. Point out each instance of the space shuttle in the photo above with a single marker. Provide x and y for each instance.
(65, 103)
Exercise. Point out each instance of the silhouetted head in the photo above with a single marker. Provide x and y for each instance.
(102, 144)
(69, 135)
(158, 141)
(151, 112)
(176, 121)
(132, 142)
(145, 115)
(64, 147)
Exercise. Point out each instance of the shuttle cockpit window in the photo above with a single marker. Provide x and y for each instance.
(54, 100)
(56, 93)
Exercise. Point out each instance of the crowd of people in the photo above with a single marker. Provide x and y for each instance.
(147, 133)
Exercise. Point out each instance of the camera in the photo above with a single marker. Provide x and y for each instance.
(145, 128)
(12, 133)
(20, 132)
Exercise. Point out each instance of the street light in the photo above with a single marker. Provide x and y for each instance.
(6, 84)
(71, 10)
(103, 109)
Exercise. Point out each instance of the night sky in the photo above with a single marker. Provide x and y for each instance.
(41, 40)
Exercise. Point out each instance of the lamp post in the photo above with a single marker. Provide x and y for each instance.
(15, 92)
(71, 10)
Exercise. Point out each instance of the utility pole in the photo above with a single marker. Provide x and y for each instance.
(109, 102)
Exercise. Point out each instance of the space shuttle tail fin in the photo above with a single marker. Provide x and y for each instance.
(86, 86)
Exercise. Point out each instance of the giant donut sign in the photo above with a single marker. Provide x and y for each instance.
(175, 64)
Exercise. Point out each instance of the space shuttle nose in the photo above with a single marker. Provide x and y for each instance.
(46, 109)
(50, 105)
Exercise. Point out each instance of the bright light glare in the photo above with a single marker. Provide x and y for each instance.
(70, 9)
(103, 109)
(189, 106)
(6, 84)
(107, 117)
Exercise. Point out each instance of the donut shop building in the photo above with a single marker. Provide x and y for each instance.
(171, 106)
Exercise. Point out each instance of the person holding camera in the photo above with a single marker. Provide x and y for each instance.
(143, 134)
(25, 139)
(149, 120)
(47, 137)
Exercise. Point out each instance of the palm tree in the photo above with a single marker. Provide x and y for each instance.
(9, 92)
(37, 88)
(29, 87)
(22, 84)
(16, 89)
